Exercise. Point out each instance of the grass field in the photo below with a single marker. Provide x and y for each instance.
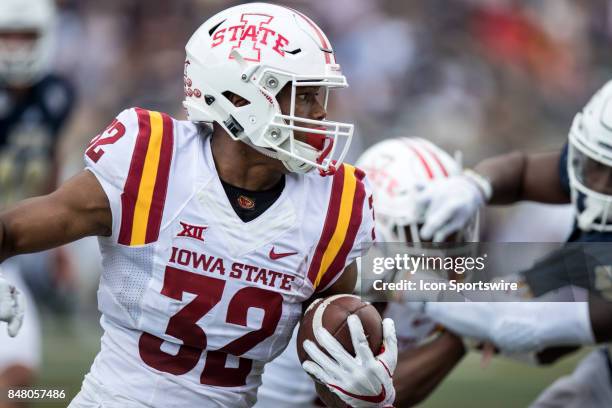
(503, 384)
(70, 347)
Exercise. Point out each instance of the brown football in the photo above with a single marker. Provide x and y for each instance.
(331, 313)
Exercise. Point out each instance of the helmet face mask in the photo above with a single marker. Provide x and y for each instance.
(327, 141)
(592, 174)
(254, 51)
(590, 162)
(591, 192)
(26, 40)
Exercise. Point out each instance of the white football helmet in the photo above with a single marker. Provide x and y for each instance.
(397, 169)
(590, 162)
(253, 51)
(23, 62)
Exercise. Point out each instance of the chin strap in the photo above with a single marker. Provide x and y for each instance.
(278, 156)
(266, 152)
(330, 171)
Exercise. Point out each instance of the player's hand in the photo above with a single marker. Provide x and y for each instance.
(361, 381)
(448, 205)
(12, 306)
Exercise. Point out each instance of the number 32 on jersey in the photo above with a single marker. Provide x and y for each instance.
(183, 326)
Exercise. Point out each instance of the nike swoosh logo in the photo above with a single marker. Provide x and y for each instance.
(274, 256)
(376, 399)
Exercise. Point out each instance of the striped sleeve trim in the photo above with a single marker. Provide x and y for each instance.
(144, 193)
(342, 222)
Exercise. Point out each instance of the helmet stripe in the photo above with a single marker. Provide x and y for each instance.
(420, 157)
(436, 159)
(324, 44)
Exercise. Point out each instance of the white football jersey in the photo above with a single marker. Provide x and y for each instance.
(195, 301)
(284, 383)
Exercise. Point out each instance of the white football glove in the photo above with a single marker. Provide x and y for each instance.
(467, 319)
(12, 306)
(362, 381)
(492, 322)
(516, 327)
(448, 204)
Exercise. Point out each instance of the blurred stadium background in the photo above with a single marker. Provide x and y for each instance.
(479, 76)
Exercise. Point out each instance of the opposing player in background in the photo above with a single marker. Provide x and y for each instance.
(580, 172)
(397, 169)
(215, 232)
(34, 106)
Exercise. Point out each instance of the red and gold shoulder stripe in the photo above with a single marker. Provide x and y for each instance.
(344, 216)
(144, 193)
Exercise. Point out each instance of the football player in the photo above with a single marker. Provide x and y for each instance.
(216, 231)
(34, 102)
(34, 105)
(580, 172)
(397, 169)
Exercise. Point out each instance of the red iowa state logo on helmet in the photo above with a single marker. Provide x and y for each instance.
(250, 35)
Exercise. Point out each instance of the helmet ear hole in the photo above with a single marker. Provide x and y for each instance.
(235, 99)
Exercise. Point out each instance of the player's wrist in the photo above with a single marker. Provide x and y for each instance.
(481, 182)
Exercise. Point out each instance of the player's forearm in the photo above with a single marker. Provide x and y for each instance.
(569, 324)
(551, 355)
(419, 371)
(600, 312)
(344, 285)
(517, 176)
(79, 208)
(4, 248)
(23, 230)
